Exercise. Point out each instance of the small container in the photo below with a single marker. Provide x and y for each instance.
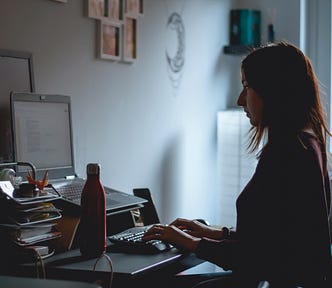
(26, 190)
(270, 33)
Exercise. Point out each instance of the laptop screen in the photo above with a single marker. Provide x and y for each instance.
(42, 133)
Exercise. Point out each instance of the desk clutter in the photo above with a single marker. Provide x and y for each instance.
(38, 228)
(28, 219)
(32, 226)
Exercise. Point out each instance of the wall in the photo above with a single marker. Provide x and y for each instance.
(309, 29)
(128, 117)
(285, 16)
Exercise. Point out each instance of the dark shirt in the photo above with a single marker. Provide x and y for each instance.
(282, 231)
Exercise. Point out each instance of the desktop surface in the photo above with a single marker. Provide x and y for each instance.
(15, 282)
(128, 268)
(141, 270)
(124, 264)
(203, 268)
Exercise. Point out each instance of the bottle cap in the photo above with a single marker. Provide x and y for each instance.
(93, 168)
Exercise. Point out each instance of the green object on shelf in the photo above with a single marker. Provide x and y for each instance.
(245, 27)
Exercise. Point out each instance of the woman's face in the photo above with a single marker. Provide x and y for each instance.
(251, 102)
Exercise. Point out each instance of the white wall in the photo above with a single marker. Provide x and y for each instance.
(128, 117)
(286, 19)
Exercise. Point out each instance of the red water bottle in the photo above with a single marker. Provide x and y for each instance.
(92, 228)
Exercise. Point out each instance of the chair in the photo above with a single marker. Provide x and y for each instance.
(148, 212)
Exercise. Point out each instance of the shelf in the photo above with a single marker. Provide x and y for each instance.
(238, 49)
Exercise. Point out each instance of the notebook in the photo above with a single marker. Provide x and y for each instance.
(42, 135)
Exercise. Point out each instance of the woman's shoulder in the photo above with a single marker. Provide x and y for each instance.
(310, 142)
(302, 141)
(304, 146)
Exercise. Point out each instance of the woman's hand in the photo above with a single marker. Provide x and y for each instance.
(197, 229)
(183, 233)
(173, 235)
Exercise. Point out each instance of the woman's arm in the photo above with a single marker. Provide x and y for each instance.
(189, 235)
(184, 233)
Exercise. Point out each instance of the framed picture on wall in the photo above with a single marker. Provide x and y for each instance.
(141, 7)
(115, 9)
(132, 7)
(110, 40)
(97, 9)
(130, 39)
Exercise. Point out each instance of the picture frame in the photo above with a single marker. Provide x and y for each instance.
(141, 7)
(132, 8)
(129, 39)
(97, 9)
(115, 10)
(110, 40)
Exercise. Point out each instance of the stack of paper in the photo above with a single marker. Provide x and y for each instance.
(27, 221)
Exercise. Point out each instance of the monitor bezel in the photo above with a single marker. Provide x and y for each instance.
(58, 172)
(6, 53)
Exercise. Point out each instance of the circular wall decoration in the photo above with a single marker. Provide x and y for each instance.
(176, 62)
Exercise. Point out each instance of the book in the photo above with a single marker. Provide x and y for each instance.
(37, 207)
(27, 235)
(37, 238)
(29, 220)
(21, 232)
(33, 213)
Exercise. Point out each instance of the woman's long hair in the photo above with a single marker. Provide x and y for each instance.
(283, 76)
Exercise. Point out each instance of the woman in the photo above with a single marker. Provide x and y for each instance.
(282, 232)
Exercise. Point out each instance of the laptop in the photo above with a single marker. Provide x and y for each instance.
(42, 135)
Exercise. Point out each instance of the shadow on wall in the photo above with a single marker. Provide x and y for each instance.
(171, 181)
(229, 66)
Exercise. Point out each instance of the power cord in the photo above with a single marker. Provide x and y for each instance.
(104, 255)
(39, 259)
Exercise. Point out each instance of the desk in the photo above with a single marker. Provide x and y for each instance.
(205, 268)
(16, 282)
(128, 265)
(129, 269)
(198, 273)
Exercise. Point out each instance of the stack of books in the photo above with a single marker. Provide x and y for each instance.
(28, 219)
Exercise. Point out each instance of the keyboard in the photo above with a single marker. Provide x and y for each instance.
(71, 190)
(130, 241)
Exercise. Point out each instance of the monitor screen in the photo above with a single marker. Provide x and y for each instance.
(42, 134)
(16, 72)
(42, 130)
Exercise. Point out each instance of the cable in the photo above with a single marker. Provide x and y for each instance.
(104, 255)
(39, 259)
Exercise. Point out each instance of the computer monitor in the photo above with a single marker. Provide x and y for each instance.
(42, 133)
(16, 70)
